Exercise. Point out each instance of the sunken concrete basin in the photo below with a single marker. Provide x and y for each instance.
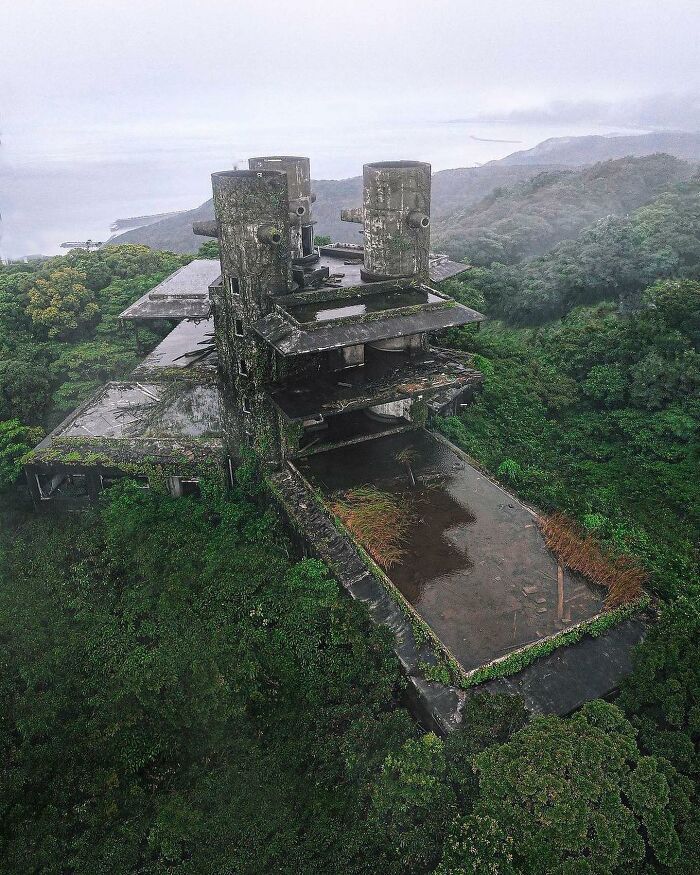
(475, 566)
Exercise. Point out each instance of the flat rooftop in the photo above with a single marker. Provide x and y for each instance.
(134, 411)
(185, 293)
(182, 295)
(475, 566)
(361, 304)
(383, 378)
(345, 261)
(188, 347)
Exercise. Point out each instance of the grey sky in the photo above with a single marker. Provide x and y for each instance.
(142, 62)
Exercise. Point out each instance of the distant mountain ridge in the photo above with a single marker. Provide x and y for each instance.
(577, 151)
(453, 190)
(530, 217)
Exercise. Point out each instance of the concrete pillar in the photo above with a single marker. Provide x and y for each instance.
(298, 171)
(396, 207)
(252, 215)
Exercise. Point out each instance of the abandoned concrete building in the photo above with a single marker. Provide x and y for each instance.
(322, 361)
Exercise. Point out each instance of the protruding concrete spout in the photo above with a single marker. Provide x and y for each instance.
(206, 228)
(416, 219)
(297, 209)
(352, 215)
(270, 235)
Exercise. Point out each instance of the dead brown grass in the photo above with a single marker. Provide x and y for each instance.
(378, 520)
(622, 576)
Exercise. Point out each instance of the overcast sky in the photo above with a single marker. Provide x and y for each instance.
(178, 65)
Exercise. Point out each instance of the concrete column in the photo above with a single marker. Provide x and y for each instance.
(298, 171)
(252, 214)
(396, 207)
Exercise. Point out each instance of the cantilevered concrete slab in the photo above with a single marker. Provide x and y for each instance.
(189, 348)
(131, 411)
(183, 295)
(380, 381)
(564, 680)
(347, 319)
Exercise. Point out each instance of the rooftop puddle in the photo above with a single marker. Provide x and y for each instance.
(474, 565)
(360, 305)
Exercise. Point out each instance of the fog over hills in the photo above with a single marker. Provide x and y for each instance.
(453, 190)
(590, 149)
(529, 218)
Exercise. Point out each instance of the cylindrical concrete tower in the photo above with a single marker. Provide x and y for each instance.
(298, 172)
(396, 208)
(252, 214)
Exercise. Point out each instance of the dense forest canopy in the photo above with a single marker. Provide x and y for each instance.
(180, 695)
(528, 219)
(616, 258)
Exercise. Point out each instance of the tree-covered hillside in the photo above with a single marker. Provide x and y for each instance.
(528, 219)
(614, 259)
(59, 332)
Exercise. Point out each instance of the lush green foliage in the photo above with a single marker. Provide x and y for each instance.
(663, 693)
(570, 796)
(59, 332)
(614, 259)
(209, 249)
(147, 651)
(599, 416)
(529, 218)
(15, 441)
(179, 695)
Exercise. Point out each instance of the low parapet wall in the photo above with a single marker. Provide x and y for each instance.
(438, 706)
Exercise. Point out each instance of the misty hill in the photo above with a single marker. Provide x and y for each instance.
(452, 189)
(456, 191)
(613, 259)
(589, 150)
(532, 216)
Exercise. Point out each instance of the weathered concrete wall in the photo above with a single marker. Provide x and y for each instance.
(252, 213)
(298, 171)
(396, 207)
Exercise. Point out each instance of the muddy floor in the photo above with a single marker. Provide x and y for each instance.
(474, 565)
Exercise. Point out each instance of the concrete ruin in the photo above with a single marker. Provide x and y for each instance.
(321, 361)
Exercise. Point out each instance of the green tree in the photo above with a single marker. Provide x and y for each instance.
(570, 796)
(15, 441)
(662, 695)
(62, 303)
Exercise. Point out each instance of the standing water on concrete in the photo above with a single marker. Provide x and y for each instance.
(358, 305)
(474, 566)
